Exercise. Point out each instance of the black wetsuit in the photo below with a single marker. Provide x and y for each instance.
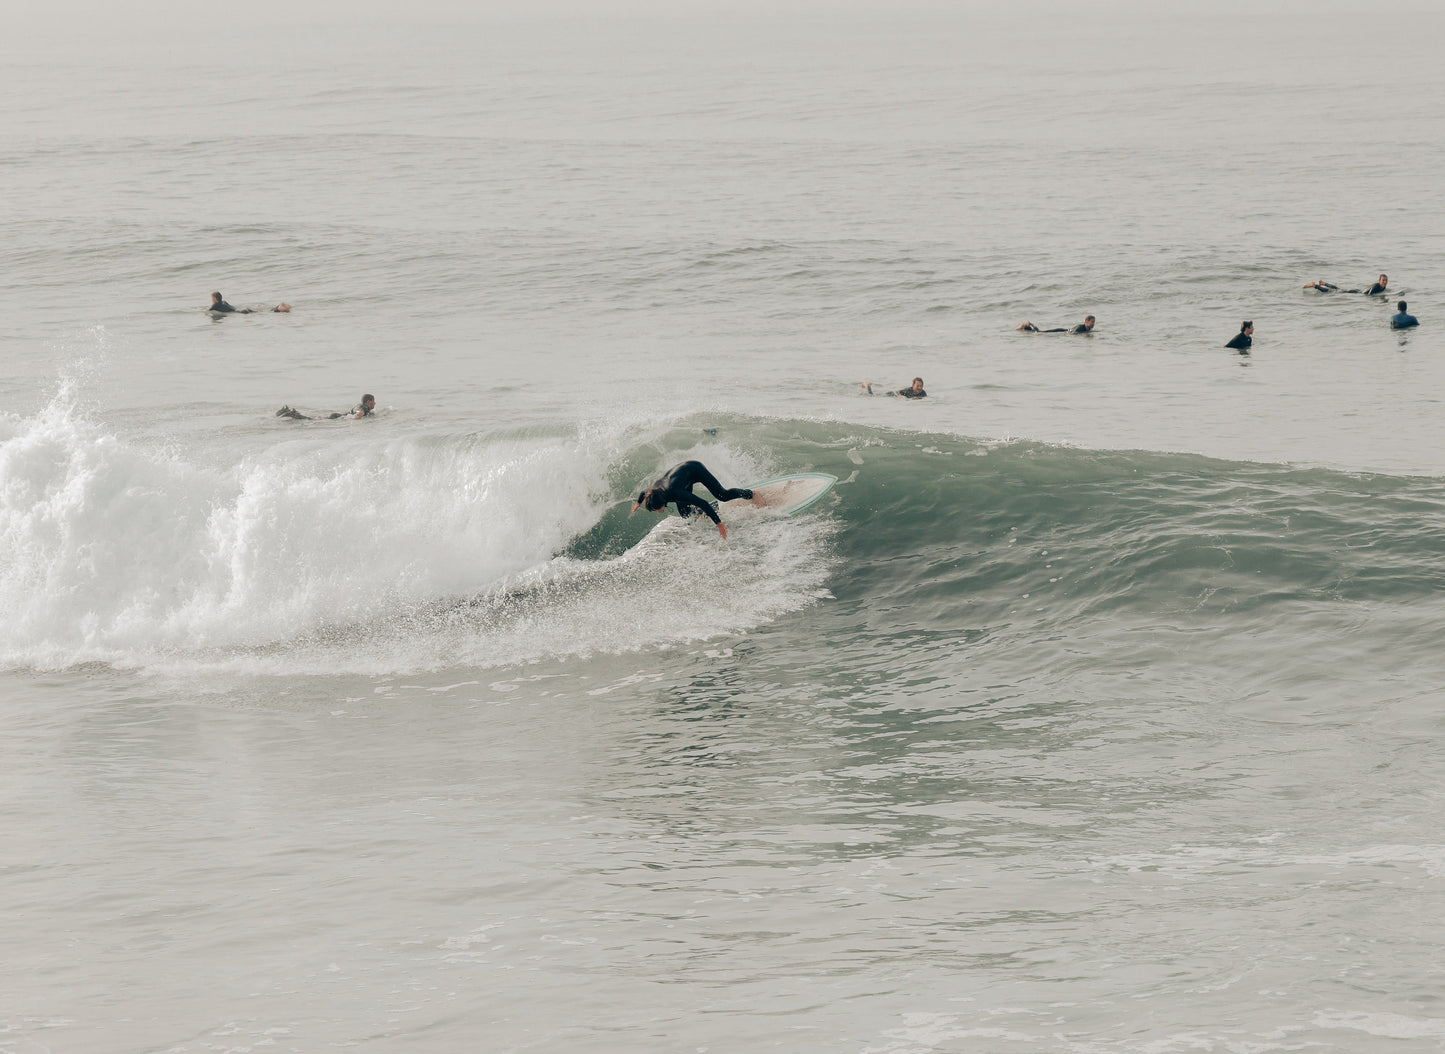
(677, 488)
(909, 393)
(1080, 328)
(1375, 290)
(356, 411)
(1403, 321)
(1241, 341)
(222, 306)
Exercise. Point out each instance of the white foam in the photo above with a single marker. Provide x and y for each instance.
(1392, 1026)
(344, 550)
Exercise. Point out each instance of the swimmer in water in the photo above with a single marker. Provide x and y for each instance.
(282, 307)
(1329, 287)
(220, 307)
(1243, 339)
(913, 391)
(676, 487)
(365, 408)
(1404, 320)
(1087, 326)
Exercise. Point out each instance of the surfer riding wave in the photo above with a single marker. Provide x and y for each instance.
(676, 487)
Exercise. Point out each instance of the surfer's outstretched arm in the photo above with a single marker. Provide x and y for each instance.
(686, 504)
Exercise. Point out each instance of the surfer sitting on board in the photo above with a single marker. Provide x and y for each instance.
(913, 391)
(676, 487)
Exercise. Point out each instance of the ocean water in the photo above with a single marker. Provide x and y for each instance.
(1095, 711)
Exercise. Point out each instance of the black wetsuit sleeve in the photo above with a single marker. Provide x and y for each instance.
(1239, 341)
(685, 502)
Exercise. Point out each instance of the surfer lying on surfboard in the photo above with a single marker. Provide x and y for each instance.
(676, 487)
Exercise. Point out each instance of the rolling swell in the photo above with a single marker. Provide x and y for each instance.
(940, 558)
(977, 564)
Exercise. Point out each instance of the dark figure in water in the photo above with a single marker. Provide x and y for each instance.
(1087, 326)
(676, 487)
(1243, 339)
(363, 409)
(1329, 287)
(220, 307)
(913, 391)
(1404, 320)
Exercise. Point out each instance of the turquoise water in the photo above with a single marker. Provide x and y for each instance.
(1092, 711)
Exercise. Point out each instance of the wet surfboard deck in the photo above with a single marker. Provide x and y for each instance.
(787, 495)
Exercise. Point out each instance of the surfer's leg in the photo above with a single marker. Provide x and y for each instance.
(721, 493)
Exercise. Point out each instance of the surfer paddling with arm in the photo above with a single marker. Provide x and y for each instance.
(676, 487)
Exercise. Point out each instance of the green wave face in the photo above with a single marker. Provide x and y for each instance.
(970, 563)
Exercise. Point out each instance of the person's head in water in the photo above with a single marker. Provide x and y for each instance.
(216, 298)
(1088, 321)
(918, 384)
(1247, 328)
(368, 404)
(1384, 280)
(1400, 307)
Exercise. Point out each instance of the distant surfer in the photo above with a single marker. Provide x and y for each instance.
(283, 308)
(1086, 326)
(1329, 287)
(913, 391)
(365, 408)
(676, 487)
(220, 307)
(1243, 339)
(1404, 320)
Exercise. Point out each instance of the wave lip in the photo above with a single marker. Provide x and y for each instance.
(373, 552)
(360, 553)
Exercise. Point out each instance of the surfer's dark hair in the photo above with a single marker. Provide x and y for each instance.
(654, 500)
(1402, 306)
(1244, 325)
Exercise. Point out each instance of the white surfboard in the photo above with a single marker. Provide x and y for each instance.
(786, 495)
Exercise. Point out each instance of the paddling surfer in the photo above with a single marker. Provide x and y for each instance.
(220, 307)
(676, 487)
(1086, 326)
(913, 391)
(1375, 289)
(365, 408)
